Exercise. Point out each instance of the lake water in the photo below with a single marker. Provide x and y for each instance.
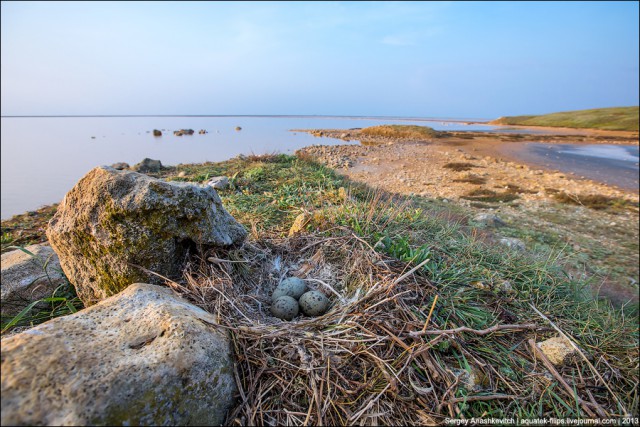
(43, 157)
(611, 164)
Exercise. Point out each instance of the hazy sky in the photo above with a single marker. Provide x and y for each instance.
(427, 59)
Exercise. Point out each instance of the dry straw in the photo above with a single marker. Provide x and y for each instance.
(376, 357)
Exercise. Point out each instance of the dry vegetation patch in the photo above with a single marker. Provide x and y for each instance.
(459, 166)
(401, 131)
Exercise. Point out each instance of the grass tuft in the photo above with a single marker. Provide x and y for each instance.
(594, 201)
(402, 131)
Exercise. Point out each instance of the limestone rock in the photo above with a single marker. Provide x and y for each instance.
(27, 278)
(143, 357)
(513, 243)
(112, 221)
(489, 220)
(219, 182)
(147, 165)
(557, 349)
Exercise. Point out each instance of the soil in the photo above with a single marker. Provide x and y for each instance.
(481, 171)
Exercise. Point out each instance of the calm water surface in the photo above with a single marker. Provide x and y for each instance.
(43, 157)
(611, 164)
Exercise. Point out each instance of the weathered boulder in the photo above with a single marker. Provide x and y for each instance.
(143, 357)
(147, 165)
(157, 132)
(28, 278)
(113, 221)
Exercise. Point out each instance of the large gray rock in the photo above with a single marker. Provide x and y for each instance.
(112, 221)
(143, 357)
(27, 278)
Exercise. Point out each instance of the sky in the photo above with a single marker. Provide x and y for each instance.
(413, 59)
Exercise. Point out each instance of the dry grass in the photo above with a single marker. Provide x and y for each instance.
(593, 201)
(472, 179)
(459, 167)
(380, 355)
(490, 196)
(401, 131)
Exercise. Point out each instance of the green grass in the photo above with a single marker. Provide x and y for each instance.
(401, 131)
(466, 272)
(61, 302)
(621, 118)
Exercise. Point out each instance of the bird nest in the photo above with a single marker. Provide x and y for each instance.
(375, 357)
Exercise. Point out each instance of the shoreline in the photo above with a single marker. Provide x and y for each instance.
(508, 148)
(565, 130)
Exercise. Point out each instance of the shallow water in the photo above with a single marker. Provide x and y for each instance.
(43, 157)
(611, 164)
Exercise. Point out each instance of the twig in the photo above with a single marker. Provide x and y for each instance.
(410, 272)
(426, 322)
(481, 398)
(220, 261)
(474, 331)
(340, 297)
(595, 371)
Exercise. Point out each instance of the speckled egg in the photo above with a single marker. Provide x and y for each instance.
(314, 303)
(285, 308)
(291, 286)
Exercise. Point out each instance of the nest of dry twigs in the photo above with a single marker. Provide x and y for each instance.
(373, 358)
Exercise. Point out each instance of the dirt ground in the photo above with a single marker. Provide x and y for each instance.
(481, 172)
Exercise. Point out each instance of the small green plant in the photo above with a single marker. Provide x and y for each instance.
(62, 301)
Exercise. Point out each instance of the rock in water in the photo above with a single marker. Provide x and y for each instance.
(120, 165)
(143, 357)
(147, 165)
(27, 278)
(112, 221)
